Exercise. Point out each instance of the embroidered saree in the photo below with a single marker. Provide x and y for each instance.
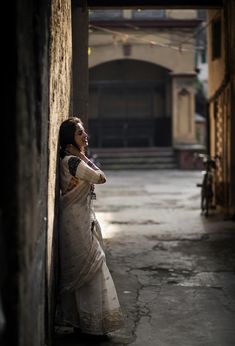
(88, 298)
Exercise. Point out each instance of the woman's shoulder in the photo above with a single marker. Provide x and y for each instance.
(70, 158)
(70, 163)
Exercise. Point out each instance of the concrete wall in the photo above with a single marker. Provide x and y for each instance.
(31, 170)
(59, 109)
(43, 79)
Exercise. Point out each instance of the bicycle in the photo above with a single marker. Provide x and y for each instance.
(207, 185)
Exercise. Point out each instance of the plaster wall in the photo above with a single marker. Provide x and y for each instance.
(105, 47)
(43, 100)
(59, 109)
(216, 67)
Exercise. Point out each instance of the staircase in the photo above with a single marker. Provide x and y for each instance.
(135, 158)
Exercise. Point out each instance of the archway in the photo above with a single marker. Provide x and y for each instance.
(129, 109)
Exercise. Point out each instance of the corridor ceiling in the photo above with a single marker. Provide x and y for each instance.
(149, 3)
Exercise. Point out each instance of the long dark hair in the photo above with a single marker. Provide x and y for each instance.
(67, 132)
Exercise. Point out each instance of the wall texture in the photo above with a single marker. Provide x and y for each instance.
(59, 108)
(221, 105)
(43, 79)
(32, 158)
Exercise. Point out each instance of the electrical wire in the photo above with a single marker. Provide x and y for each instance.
(178, 46)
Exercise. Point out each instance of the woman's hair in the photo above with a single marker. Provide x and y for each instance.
(67, 132)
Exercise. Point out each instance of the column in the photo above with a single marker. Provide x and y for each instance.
(80, 89)
(183, 108)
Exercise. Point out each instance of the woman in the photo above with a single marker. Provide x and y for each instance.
(88, 299)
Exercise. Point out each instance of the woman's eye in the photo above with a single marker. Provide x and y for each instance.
(80, 133)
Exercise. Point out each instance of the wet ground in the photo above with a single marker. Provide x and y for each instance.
(174, 270)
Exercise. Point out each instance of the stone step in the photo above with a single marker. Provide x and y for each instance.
(135, 158)
(139, 159)
(134, 154)
(136, 150)
(137, 167)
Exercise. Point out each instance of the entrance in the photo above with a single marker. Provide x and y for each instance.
(126, 111)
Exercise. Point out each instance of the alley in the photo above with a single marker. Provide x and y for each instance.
(173, 268)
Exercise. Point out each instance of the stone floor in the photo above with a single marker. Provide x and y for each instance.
(174, 269)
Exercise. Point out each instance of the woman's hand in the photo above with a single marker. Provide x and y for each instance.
(72, 150)
(83, 157)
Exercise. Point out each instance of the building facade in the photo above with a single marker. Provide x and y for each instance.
(142, 78)
(221, 92)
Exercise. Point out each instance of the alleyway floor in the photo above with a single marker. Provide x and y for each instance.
(174, 270)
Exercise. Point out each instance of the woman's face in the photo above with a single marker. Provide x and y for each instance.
(80, 136)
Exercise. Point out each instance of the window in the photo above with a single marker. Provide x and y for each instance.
(216, 39)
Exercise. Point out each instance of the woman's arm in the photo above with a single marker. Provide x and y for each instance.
(80, 169)
(87, 161)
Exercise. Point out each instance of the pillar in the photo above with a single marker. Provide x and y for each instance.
(80, 62)
(183, 108)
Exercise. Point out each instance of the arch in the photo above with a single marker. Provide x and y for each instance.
(169, 58)
(114, 67)
(130, 104)
(110, 60)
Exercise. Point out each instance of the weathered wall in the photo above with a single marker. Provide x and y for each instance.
(104, 47)
(43, 79)
(216, 67)
(32, 161)
(59, 109)
(150, 43)
(221, 105)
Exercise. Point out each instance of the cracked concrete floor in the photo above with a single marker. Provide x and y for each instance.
(173, 269)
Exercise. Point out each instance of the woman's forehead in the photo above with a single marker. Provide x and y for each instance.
(79, 127)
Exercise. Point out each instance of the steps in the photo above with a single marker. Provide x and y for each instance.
(135, 158)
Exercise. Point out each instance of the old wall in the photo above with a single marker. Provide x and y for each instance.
(43, 79)
(150, 43)
(221, 105)
(59, 109)
(31, 170)
(103, 47)
(216, 67)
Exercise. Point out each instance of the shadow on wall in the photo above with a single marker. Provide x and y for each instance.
(53, 271)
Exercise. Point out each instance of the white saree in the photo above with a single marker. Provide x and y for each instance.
(88, 298)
